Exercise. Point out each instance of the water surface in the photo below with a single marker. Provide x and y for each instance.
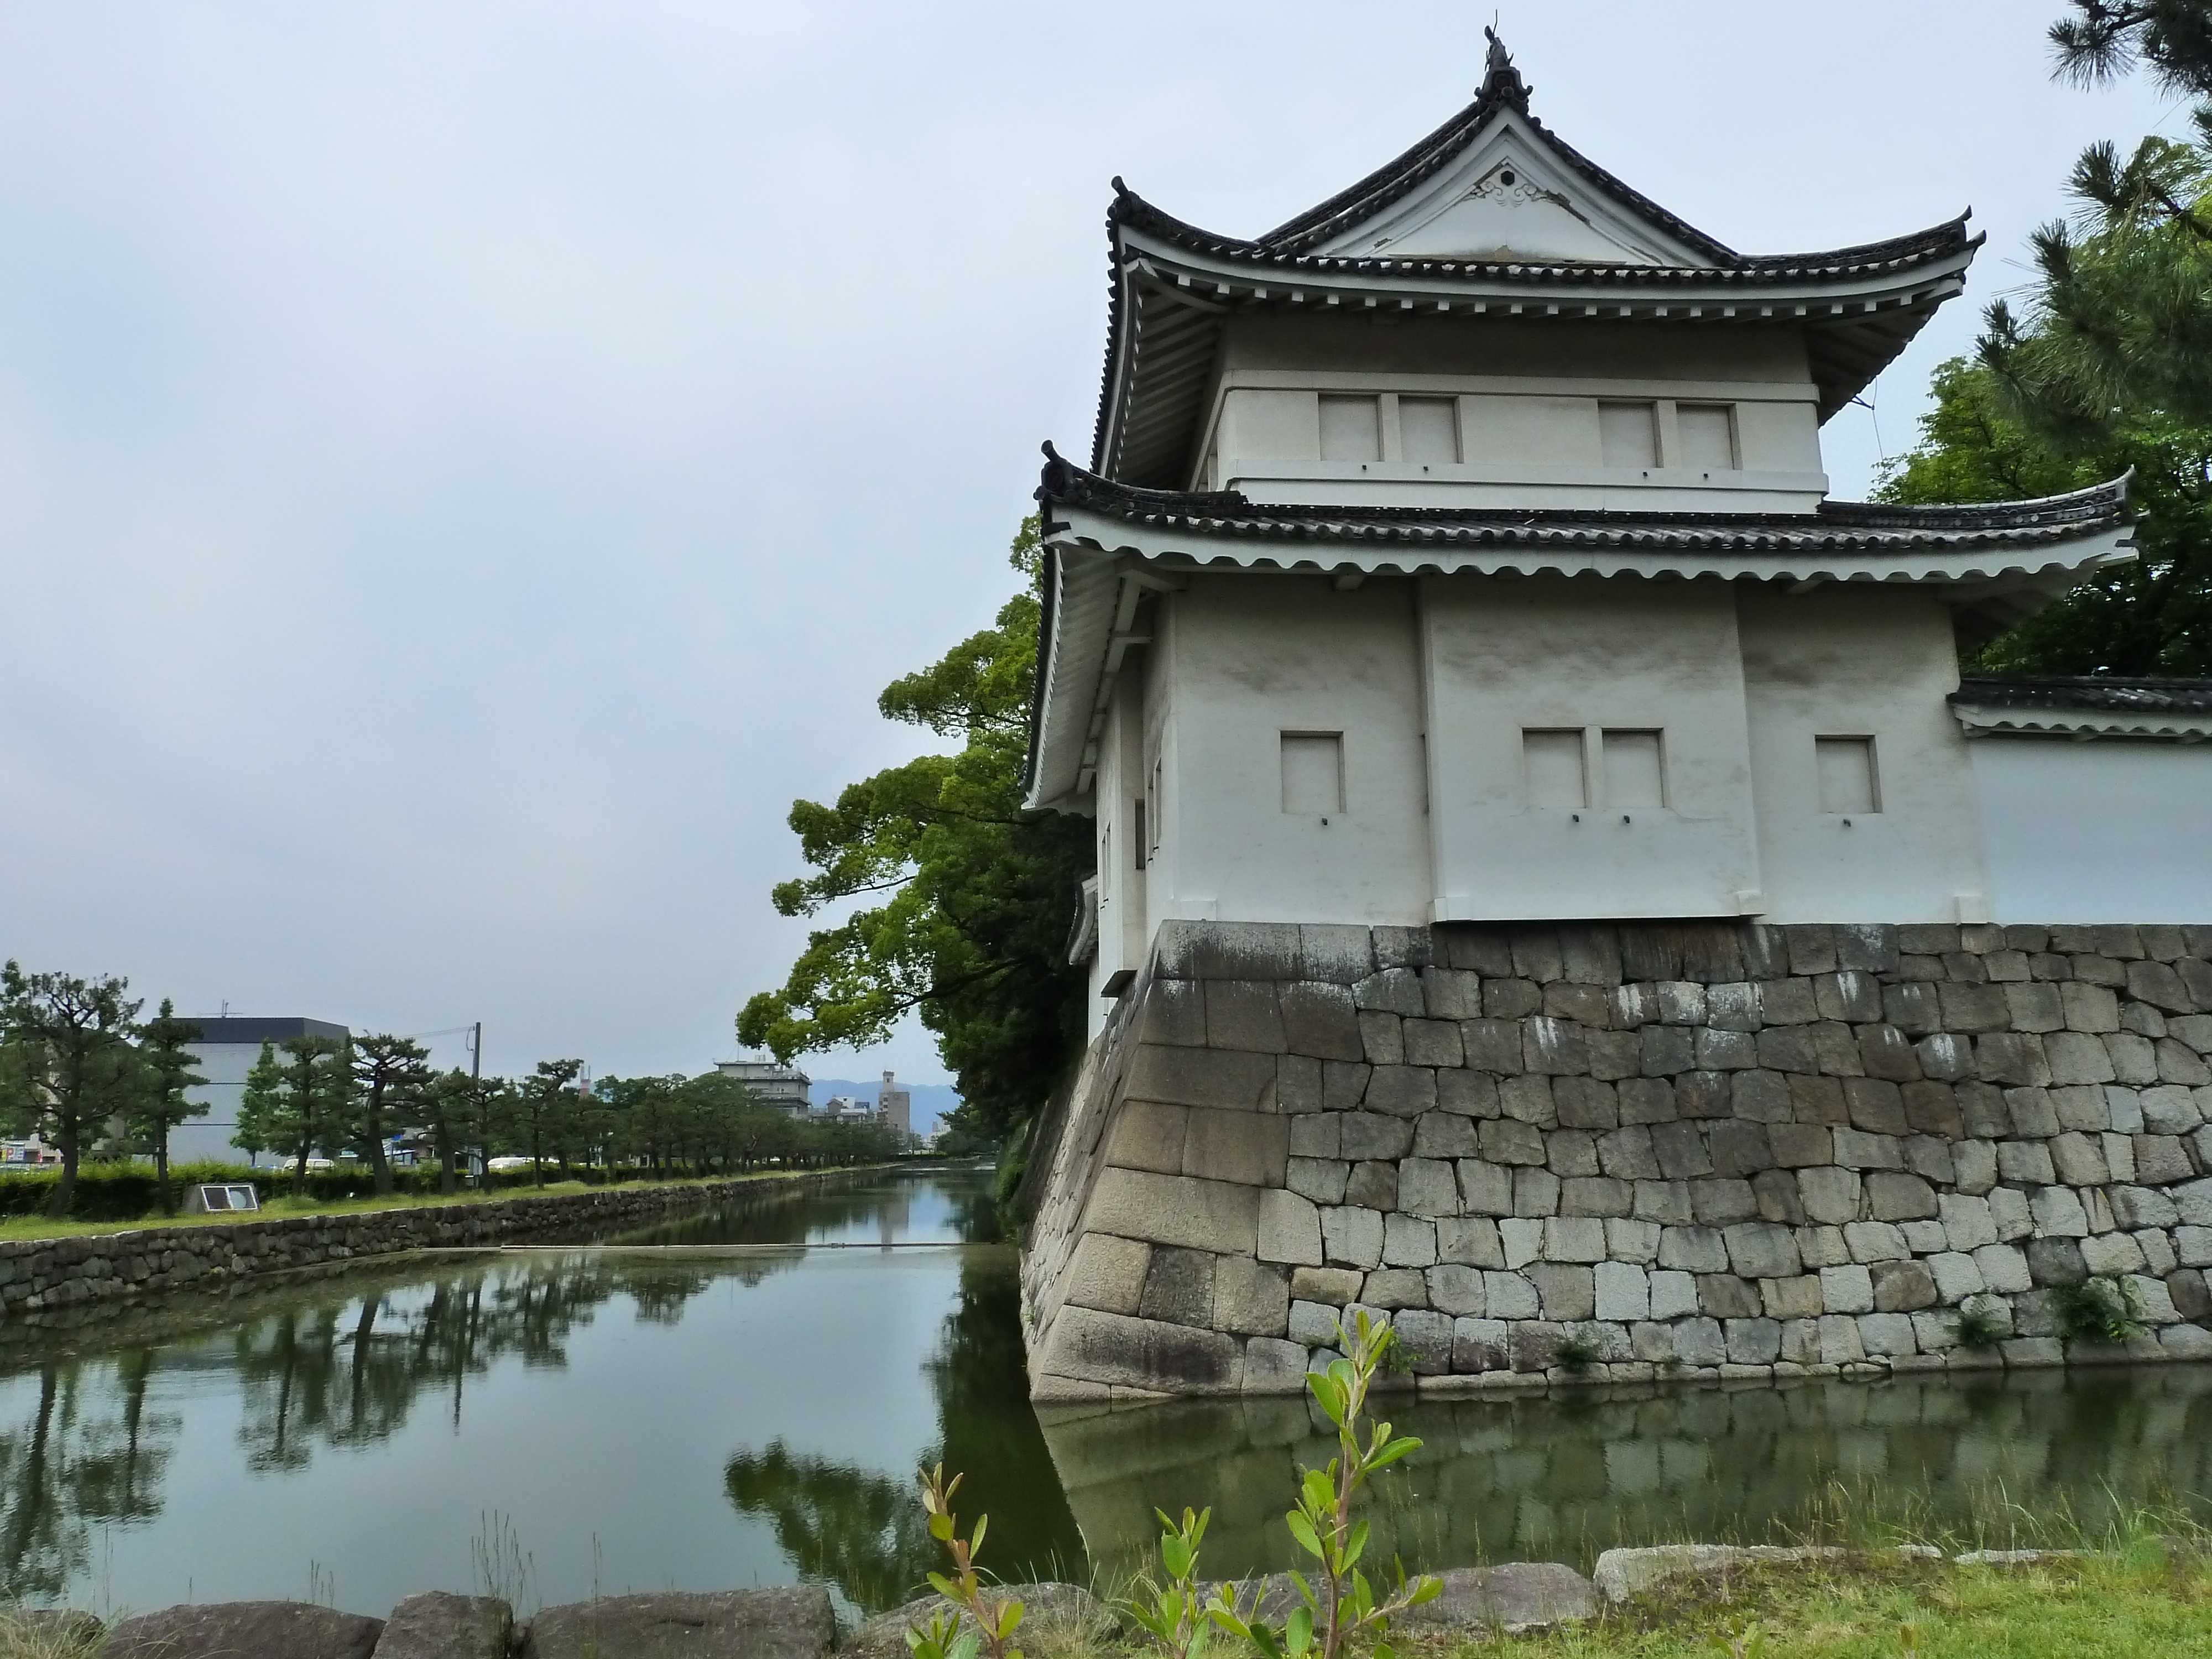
(749, 1407)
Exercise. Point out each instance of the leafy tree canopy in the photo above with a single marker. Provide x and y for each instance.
(2102, 40)
(979, 893)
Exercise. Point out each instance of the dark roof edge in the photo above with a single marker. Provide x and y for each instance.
(2142, 694)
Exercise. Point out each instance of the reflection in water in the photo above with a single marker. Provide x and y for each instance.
(862, 1529)
(90, 1453)
(956, 1209)
(1562, 1478)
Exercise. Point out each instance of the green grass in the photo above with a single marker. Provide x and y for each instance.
(277, 1204)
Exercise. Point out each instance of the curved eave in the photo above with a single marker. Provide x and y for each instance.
(1167, 302)
(2081, 725)
(1098, 561)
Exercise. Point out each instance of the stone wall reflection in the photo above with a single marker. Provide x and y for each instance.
(1565, 1477)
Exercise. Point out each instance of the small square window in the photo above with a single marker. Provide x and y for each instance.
(1708, 434)
(1428, 430)
(1635, 769)
(1628, 435)
(1351, 429)
(1313, 772)
(1552, 762)
(1849, 781)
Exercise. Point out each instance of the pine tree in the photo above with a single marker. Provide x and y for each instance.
(71, 1065)
(258, 1106)
(389, 1074)
(164, 1098)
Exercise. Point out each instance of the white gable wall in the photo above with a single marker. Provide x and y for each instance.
(2107, 831)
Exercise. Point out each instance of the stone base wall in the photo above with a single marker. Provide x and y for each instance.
(1626, 1152)
(45, 1275)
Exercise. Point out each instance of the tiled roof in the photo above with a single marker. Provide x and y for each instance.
(2099, 691)
(1833, 526)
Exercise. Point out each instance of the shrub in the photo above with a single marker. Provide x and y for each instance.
(2105, 1310)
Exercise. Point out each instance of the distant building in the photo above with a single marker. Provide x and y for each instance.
(226, 1051)
(780, 1087)
(894, 1106)
(848, 1108)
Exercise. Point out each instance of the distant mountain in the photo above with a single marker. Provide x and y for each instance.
(931, 1100)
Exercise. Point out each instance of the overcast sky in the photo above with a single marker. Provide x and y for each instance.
(466, 467)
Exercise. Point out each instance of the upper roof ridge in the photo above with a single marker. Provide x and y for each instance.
(1500, 80)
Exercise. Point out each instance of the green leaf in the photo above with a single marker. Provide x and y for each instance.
(1264, 1639)
(975, 1538)
(966, 1647)
(1328, 1394)
(945, 1587)
(1175, 1557)
(1358, 1546)
(1010, 1619)
(1299, 1632)
(940, 1528)
(1426, 1588)
(1302, 1530)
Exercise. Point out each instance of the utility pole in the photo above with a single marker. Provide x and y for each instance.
(475, 1078)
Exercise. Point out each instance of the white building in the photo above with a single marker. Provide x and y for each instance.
(894, 1106)
(780, 1088)
(227, 1048)
(1461, 550)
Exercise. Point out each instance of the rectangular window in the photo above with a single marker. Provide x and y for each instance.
(1152, 817)
(1635, 769)
(1553, 763)
(1849, 781)
(1313, 772)
(1138, 840)
(1351, 429)
(1708, 432)
(1628, 434)
(1428, 430)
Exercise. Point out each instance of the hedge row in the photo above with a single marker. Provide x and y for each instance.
(128, 1192)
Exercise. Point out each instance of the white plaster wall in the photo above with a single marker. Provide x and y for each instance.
(1841, 661)
(2095, 832)
(1503, 656)
(1251, 659)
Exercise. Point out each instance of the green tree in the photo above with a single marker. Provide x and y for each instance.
(260, 1103)
(308, 1102)
(71, 1066)
(545, 1109)
(390, 1074)
(974, 930)
(167, 1078)
(444, 1105)
(2105, 38)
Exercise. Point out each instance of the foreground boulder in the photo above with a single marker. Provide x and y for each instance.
(439, 1625)
(1519, 1597)
(1056, 1607)
(244, 1630)
(1622, 1574)
(757, 1623)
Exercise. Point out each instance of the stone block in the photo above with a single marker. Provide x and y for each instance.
(1823, 1247)
(1473, 1241)
(1393, 1288)
(1535, 1192)
(1830, 1195)
(2156, 1244)
(1510, 1296)
(2090, 1008)
(1932, 1109)
(1511, 999)
(1179, 1288)
(1456, 1290)
(1699, 1342)
(1107, 1272)
(1467, 1094)
(243, 1630)
(1627, 1154)
(1408, 1241)
(2190, 1295)
(2059, 1213)
(1445, 1134)
(1220, 1216)
(1202, 1077)
(1372, 1186)
(1288, 1230)
(1875, 1106)
(1702, 1095)
(1175, 1014)
(1874, 1241)
(2055, 1261)
(1381, 1037)
(1484, 1189)
(1318, 1020)
(2162, 1160)
(1427, 1186)
(1633, 1241)
(1888, 1053)
(1585, 1006)
(1319, 1179)
(2135, 1059)
(1242, 1013)
(1680, 1151)
(1452, 992)
(1248, 1148)
(1574, 1238)
(1889, 1333)
(1250, 1298)
(1968, 1223)
(1343, 1085)
(1792, 1299)
(1800, 1145)
(1738, 1148)
(1402, 1090)
(1338, 953)
(1391, 990)
(1761, 1249)
(1667, 1202)
(1673, 1295)
(2079, 1160)
(1693, 1250)
(1365, 1135)
(2194, 1246)
(2170, 1110)
(2026, 1161)
(2158, 984)
(1894, 1197)
(1351, 1237)
(1480, 1344)
(2082, 1108)
(1432, 1042)
(1554, 1048)
(1334, 1286)
(1623, 1291)
(1776, 1191)
(2009, 1211)
(1902, 1286)
(1753, 1341)
(1505, 1140)
(1792, 1048)
(1570, 1153)
(1273, 1366)
(1665, 1050)
(2004, 1269)
(1847, 1290)
(1425, 1341)
(1566, 1290)
(2108, 1254)
(1724, 1295)
(1146, 1135)
(1722, 1203)
(2075, 1058)
(1719, 1050)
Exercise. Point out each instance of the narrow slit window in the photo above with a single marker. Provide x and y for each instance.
(1313, 772)
(1552, 762)
(1152, 817)
(1351, 429)
(1628, 434)
(1428, 430)
(1849, 781)
(1708, 432)
(1137, 840)
(1635, 769)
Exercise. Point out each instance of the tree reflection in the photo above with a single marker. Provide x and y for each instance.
(88, 1454)
(863, 1530)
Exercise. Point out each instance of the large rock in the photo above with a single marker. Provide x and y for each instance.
(1518, 1597)
(757, 1623)
(439, 1625)
(1622, 1575)
(1062, 1609)
(246, 1630)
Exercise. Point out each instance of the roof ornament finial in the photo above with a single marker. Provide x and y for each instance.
(1499, 78)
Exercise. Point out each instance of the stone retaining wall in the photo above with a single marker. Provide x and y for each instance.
(1645, 1149)
(38, 1275)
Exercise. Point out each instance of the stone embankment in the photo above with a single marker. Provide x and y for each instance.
(42, 1275)
(1631, 1151)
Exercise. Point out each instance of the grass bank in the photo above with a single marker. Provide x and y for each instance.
(276, 1204)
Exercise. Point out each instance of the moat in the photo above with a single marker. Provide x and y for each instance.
(739, 1411)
